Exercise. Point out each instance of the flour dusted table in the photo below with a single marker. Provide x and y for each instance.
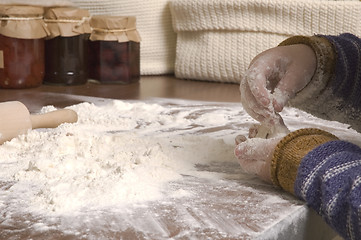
(236, 206)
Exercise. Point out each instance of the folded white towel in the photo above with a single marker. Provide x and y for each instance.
(217, 39)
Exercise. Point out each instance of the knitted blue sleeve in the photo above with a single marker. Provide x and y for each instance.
(329, 180)
(347, 82)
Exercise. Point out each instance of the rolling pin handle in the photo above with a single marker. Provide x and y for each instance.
(53, 119)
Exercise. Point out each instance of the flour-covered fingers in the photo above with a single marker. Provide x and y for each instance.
(256, 77)
(239, 139)
(251, 105)
(254, 148)
(254, 156)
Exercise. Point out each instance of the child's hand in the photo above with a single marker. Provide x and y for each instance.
(255, 155)
(273, 78)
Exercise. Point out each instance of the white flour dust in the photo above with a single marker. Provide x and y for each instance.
(148, 169)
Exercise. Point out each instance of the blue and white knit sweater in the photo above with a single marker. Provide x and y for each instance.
(329, 172)
(334, 93)
(329, 180)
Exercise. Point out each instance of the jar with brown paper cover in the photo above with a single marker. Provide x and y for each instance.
(22, 33)
(114, 49)
(66, 47)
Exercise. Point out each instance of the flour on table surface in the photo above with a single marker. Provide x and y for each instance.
(153, 167)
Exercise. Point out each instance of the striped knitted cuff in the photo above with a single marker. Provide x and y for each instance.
(326, 59)
(290, 151)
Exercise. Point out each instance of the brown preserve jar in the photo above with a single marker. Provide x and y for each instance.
(66, 47)
(22, 32)
(114, 50)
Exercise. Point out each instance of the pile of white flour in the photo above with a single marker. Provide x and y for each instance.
(118, 153)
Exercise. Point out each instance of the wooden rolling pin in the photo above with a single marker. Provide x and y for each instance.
(15, 119)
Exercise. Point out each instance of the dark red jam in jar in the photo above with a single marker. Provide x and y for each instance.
(114, 62)
(114, 53)
(66, 48)
(22, 33)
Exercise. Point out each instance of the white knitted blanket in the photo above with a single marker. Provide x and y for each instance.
(157, 48)
(217, 39)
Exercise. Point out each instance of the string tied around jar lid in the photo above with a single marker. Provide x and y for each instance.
(78, 22)
(20, 18)
(112, 30)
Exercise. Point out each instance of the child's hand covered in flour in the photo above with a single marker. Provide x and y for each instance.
(255, 155)
(273, 78)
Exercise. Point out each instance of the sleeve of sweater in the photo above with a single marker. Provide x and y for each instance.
(326, 173)
(334, 93)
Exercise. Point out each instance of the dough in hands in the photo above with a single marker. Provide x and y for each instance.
(267, 131)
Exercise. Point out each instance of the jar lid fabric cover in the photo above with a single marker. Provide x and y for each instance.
(67, 21)
(24, 22)
(114, 28)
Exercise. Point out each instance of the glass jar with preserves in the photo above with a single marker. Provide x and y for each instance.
(66, 47)
(114, 50)
(22, 33)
